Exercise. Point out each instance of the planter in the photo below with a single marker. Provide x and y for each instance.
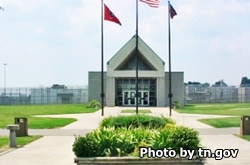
(135, 160)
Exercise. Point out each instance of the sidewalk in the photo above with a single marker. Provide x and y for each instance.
(56, 145)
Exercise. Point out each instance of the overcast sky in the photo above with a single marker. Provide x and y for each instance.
(47, 42)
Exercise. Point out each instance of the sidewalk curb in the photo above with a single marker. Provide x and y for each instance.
(7, 151)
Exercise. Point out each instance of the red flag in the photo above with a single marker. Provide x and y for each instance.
(172, 11)
(109, 16)
(152, 3)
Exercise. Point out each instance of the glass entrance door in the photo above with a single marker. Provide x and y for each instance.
(130, 99)
(126, 98)
(144, 98)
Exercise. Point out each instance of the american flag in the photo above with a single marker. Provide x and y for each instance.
(152, 3)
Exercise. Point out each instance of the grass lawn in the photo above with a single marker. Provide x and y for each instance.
(222, 122)
(20, 141)
(237, 110)
(246, 137)
(134, 111)
(8, 113)
(41, 123)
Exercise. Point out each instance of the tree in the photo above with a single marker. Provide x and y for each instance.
(245, 82)
(197, 83)
(220, 83)
(193, 83)
(57, 86)
(206, 84)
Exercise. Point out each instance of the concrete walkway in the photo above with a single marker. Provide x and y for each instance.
(56, 145)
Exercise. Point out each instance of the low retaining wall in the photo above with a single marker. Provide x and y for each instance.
(135, 160)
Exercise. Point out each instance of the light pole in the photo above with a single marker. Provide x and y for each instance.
(5, 78)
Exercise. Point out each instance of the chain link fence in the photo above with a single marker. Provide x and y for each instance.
(76, 95)
(32, 96)
(220, 94)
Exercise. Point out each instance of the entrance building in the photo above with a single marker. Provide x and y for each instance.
(120, 81)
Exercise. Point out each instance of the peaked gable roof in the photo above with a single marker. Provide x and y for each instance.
(130, 63)
(148, 59)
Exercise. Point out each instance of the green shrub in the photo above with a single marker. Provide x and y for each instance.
(111, 142)
(124, 135)
(86, 146)
(174, 137)
(177, 104)
(94, 104)
(135, 121)
(161, 139)
(104, 142)
(114, 142)
(142, 135)
(136, 152)
(184, 137)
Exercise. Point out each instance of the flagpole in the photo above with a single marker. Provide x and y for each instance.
(170, 95)
(102, 86)
(136, 51)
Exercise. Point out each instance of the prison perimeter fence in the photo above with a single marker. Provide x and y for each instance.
(32, 96)
(229, 94)
(76, 95)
